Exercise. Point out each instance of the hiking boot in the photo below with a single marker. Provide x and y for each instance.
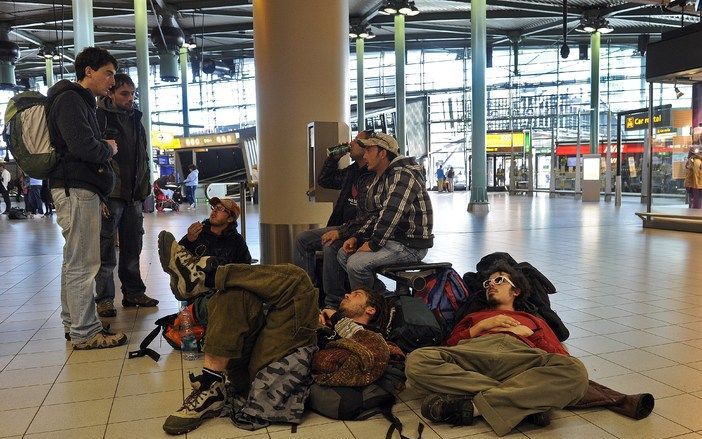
(140, 299)
(67, 334)
(187, 271)
(201, 404)
(106, 308)
(451, 409)
(102, 340)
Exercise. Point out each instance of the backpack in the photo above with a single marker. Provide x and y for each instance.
(170, 326)
(27, 134)
(411, 324)
(361, 403)
(15, 213)
(444, 293)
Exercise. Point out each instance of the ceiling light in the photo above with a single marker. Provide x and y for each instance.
(353, 34)
(678, 93)
(190, 43)
(361, 31)
(389, 9)
(403, 7)
(371, 35)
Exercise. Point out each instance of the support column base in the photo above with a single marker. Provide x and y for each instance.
(278, 241)
(552, 195)
(478, 207)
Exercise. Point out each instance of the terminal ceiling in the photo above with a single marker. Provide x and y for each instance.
(223, 29)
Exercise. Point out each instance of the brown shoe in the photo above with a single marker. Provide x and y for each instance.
(102, 340)
(106, 308)
(140, 299)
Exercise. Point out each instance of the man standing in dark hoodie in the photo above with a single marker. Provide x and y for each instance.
(123, 209)
(81, 179)
(399, 226)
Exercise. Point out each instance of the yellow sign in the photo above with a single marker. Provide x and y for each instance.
(164, 140)
(639, 121)
(504, 142)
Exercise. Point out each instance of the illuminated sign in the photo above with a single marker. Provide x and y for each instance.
(639, 121)
(505, 143)
(206, 140)
(164, 140)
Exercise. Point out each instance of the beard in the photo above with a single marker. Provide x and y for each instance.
(492, 302)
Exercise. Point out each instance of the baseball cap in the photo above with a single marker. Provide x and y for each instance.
(381, 140)
(228, 204)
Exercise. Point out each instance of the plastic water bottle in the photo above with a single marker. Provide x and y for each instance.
(188, 343)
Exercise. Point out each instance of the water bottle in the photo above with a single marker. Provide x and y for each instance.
(188, 343)
(339, 149)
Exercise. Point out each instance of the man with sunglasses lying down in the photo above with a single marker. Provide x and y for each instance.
(502, 363)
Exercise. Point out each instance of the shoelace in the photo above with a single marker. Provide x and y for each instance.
(186, 257)
(191, 400)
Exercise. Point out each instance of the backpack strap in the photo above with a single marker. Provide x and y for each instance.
(395, 423)
(144, 346)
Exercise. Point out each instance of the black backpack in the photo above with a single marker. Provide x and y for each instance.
(411, 324)
(15, 213)
(361, 403)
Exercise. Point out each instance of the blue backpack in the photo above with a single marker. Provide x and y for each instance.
(443, 294)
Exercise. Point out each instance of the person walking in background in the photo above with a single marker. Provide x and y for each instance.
(190, 185)
(34, 204)
(450, 174)
(440, 178)
(46, 198)
(5, 178)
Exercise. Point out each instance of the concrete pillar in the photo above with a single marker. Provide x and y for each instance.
(141, 26)
(400, 93)
(360, 85)
(595, 93)
(478, 44)
(289, 95)
(83, 35)
(184, 90)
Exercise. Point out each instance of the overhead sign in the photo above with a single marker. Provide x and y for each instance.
(206, 140)
(507, 142)
(639, 121)
(164, 140)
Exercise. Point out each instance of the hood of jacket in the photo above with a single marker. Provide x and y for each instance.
(66, 85)
(407, 164)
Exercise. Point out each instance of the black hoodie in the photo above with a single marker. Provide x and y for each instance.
(76, 135)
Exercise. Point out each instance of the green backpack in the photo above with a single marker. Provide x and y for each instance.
(27, 134)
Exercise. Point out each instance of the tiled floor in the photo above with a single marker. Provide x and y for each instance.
(632, 299)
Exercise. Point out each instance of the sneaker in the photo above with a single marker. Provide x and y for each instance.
(106, 308)
(102, 340)
(140, 299)
(187, 271)
(201, 404)
(452, 409)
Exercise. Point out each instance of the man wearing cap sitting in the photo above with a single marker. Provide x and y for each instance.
(399, 227)
(217, 236)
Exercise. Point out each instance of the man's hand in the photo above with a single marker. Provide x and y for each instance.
(104, 210)
(194, 231)
(113, 145)
(350, 245)
(365, 247)
(330, 237)
(325, 316)
(493, 324)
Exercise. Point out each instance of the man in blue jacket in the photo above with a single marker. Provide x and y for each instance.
(81, 179)
(123, 209)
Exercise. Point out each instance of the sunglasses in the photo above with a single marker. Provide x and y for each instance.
(498, 280)
(220, 208)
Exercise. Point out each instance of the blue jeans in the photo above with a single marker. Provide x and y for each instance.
(190, 194)
(78, 215)
(128, 219)
(34, 204)
(333, 275)
(360, 265)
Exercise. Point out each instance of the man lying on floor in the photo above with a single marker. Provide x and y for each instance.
(502, 363)
(261, 322)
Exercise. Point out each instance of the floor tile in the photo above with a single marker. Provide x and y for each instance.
(22, 397)
(144, 428)
(94, 370)
(681, 377)
(85, 390)
(568, 427)
(637, 360)
(652, 427)
(28, 377)
(15, 422)
(72, 415)
(151, 405)
(95, 432)
(682, 409)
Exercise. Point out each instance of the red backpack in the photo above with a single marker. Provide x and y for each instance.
(170, 326)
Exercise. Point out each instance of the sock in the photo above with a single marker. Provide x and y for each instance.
(210, 376)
